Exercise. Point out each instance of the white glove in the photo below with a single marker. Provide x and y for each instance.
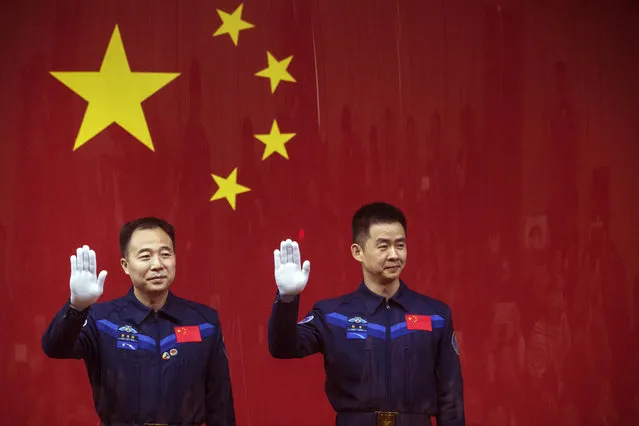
(86, 288)
(290, 276)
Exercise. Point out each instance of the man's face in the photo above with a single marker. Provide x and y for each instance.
(150, 260)
(383, 255)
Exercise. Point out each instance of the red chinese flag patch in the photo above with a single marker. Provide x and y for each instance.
(418, 322)
(189, 333)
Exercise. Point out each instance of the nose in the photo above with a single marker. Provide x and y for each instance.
(155, 263)
(393, 253)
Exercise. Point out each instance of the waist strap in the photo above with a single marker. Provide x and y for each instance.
(149, 424)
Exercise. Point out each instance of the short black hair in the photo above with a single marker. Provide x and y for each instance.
(370, 214)
(129, 228)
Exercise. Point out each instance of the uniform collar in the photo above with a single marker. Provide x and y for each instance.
(138, 311)
(372, 301)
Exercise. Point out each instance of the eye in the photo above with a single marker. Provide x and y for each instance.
(145, 257)
(167, 254)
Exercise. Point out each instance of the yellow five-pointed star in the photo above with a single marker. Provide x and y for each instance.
(115, 94)
(275, 141)
(228, 188)
(232, 24)
(276, 71)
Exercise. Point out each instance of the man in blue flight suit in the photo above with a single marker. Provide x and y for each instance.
(152, 358)
(390, 353)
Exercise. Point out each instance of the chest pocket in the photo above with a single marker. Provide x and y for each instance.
(354, 365)
(353, 358)
(124, 354)
(421, 342)
(418, 352)
(352, 354)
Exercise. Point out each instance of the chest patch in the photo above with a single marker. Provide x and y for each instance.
(126, 337)
(357, 328)
(127, 341)
(354, 331)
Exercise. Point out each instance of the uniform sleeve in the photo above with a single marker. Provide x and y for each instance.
(450, 394)
(71, 334)
(288, 339)
(220, 409)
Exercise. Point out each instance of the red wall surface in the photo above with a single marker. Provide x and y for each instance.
(507, 131)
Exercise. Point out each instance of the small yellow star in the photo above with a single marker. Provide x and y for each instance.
(115, 94)
(275, 141)
(228, 188)
(232, 24)
(276, 71)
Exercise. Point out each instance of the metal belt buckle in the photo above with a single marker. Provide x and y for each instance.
(386, 418)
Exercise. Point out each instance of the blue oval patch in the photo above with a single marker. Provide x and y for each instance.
(307, 319)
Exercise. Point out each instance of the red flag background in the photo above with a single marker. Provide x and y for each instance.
(507, 131)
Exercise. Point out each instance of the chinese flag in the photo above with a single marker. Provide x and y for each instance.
(195, 112)
(418, 322)
(190, 333)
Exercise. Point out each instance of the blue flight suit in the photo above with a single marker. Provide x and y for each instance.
(139, 373)
(374, 360)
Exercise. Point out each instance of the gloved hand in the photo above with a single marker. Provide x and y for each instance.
(290, 276)
(86, 288)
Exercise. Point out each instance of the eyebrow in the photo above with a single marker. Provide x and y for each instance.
(387, 240)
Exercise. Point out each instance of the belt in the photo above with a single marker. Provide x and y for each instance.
(138, 424)
(381, 418)
(149, 424)
(386, 418)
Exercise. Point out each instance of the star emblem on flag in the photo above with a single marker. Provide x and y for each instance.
(114, 94)
(275, 141)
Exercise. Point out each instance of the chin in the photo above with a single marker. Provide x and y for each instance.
(154, 288)
(392, 275)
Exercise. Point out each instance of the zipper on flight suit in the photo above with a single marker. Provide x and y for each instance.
(388, 354)
(157, 361)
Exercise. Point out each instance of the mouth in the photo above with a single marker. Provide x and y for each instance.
(392, 268)
(157, 279)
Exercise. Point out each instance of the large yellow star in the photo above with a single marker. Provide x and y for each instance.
(232, 24)
(275, 141)
(276, 71)
(228, 188)
(115, 94)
